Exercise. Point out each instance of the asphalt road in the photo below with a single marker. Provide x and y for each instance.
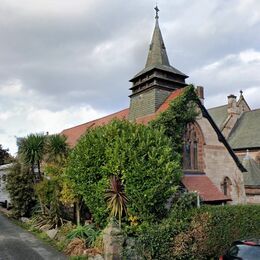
(18, 244)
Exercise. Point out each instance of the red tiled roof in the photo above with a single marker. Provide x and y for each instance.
(146, 119)
(167, 102)
(203, 185)
(74, 133)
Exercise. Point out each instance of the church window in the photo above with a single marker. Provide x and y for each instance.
(195, 155)
(226, 186)
(191, 148)
(187, 161)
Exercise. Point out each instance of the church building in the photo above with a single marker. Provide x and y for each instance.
(210, 166)
(241, 127)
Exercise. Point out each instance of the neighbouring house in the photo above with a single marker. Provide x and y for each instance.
(241, 127)
(210, 166)
(4, 196)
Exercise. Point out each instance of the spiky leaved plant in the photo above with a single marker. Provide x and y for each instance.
(116, 198)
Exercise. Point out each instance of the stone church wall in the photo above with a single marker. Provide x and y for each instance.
(253, 199)
(219, 163)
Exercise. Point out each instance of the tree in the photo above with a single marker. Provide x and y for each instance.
(141, 157)
(5, 157)
(56, 149)
(31, 150)
(20, 188)
(48, 190)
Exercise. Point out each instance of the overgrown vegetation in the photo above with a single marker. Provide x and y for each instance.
(141, 157)
(199, 233)
(86, 232)
(20, 188)
(130, 172)
(5, 157)
(182, 110)
(26, 182)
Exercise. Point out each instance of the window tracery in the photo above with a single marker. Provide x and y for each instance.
(226, 186)
(192, 144)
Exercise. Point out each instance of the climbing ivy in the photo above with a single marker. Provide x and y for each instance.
(173, 121)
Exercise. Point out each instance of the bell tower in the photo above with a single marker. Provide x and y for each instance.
(152, 85)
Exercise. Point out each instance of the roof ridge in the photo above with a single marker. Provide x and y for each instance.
(94, 120)
(253, 110)
(217, 107)
(236, 126)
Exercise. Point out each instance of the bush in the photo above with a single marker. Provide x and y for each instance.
(154, 240)
(20, 188)
(87, 232)
(140, 156)
(199, 233)
(229, 223)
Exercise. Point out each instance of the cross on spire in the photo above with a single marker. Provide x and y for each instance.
(157, 11)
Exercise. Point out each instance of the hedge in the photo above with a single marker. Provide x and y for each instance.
(201, 233)
(140, 156)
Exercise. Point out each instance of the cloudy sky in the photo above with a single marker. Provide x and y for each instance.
(64, 62)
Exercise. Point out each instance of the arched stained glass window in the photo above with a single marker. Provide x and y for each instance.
(192, 142)
(226, 186)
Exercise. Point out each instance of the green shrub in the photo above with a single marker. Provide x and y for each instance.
(154, 240)
(140, 156)
(201, 233)
(20, 188)
(87, 232)
(230, 223)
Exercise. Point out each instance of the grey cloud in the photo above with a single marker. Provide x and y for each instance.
(2, 131)
(53, 55)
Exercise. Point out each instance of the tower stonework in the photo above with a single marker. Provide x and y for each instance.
(152, 85)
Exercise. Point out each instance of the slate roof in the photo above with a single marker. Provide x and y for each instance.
(157, 56)
(204, 186)
(219, 114)
(157, 51)
(252, 176)
(160, 67)
(246, 132)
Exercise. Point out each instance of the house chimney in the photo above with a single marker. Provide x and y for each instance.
(200, 93)
(232, 104)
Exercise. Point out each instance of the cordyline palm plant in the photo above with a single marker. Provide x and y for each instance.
(116, 198)
(57, 148)
(31, 149)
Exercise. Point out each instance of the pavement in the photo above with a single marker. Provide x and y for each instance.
(18, 244)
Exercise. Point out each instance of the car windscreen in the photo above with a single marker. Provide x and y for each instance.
(246, 252)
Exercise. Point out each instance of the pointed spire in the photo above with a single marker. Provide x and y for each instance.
(157, 54)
